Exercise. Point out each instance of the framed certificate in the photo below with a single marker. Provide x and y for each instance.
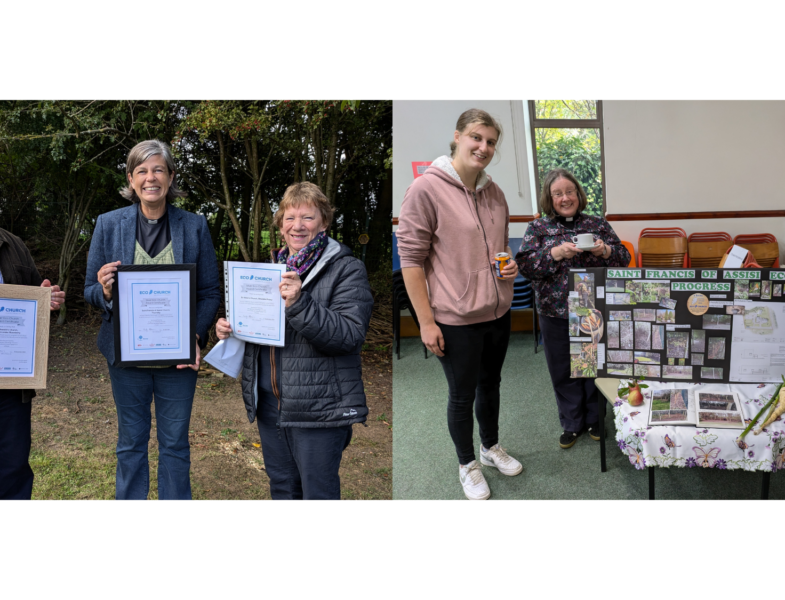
(24, 336)
(154, 315)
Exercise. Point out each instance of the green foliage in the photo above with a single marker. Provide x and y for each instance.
(578, 156)
(231, 157)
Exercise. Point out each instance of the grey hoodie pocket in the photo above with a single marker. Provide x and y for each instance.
(480, 296)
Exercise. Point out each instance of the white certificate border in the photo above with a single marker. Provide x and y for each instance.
(129, 354)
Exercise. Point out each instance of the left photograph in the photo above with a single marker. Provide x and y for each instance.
(195, 299)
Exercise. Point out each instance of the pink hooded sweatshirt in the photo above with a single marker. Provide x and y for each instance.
(454, 234)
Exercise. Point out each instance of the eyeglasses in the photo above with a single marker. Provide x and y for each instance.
(557, 195)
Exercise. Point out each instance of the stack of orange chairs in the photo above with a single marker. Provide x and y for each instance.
(664, 247)
(706, 249)
(763, 247)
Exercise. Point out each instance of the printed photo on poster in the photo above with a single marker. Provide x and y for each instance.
(717, 321)
(658, 337)
(676, 372)
(642, 335)
(647, 358)
(620, 356)
(613, 334)
(678, 344)
(619, 370)
(716, 349)
(698, 340)
(625, 335)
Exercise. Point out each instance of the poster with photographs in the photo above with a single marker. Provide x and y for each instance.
(658, 337)
(716, 349)
(613, 334)
(649, 327)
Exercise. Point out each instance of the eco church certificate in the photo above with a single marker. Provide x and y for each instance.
(254, 307)
(24, 336)
(155, 315)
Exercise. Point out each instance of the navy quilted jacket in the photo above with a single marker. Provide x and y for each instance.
(321, 372)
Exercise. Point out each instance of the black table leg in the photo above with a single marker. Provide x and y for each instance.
(764, 491)
(601, 410)
(651, 483)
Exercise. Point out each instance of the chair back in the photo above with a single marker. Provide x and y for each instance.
(663, 232)
(707, 254)
(631, 250)
(663, 251)
(764, 254)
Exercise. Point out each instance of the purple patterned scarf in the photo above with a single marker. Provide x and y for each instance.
(301, 261)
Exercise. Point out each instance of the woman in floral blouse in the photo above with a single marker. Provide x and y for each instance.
(546, 256)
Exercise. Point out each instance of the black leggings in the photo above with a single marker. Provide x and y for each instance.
(472, 361)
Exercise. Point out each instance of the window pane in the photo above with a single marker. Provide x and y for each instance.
(578, 151)
(565, 109)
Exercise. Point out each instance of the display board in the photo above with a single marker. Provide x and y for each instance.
(698, 325)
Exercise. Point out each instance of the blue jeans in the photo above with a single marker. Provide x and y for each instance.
(133, 389)
(302, 462)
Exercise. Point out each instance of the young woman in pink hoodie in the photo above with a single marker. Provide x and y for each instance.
(453, 222)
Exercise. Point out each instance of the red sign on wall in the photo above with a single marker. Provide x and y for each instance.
(418, 168)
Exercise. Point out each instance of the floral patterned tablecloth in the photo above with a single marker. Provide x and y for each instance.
(687, 446)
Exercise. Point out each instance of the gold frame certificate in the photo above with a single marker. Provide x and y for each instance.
(24, 336)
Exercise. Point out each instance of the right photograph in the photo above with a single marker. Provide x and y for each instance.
(555, 263)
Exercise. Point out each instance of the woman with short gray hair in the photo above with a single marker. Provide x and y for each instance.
(153, 232)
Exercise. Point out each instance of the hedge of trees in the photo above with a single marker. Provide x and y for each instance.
(63, 162)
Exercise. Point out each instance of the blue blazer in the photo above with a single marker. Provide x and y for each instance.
(114, 239)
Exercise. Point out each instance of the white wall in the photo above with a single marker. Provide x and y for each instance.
(423, 130)
(682, 156)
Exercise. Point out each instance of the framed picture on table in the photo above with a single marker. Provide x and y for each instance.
(24, 336)
(154, 314)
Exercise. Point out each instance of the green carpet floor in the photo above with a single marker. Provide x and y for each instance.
(425, 465)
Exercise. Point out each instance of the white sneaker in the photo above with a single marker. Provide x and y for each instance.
(474, 485)
(497, 457)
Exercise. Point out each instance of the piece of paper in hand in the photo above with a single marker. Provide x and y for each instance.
(227, 356)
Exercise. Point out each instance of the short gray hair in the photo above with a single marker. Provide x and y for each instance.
(139, 154)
